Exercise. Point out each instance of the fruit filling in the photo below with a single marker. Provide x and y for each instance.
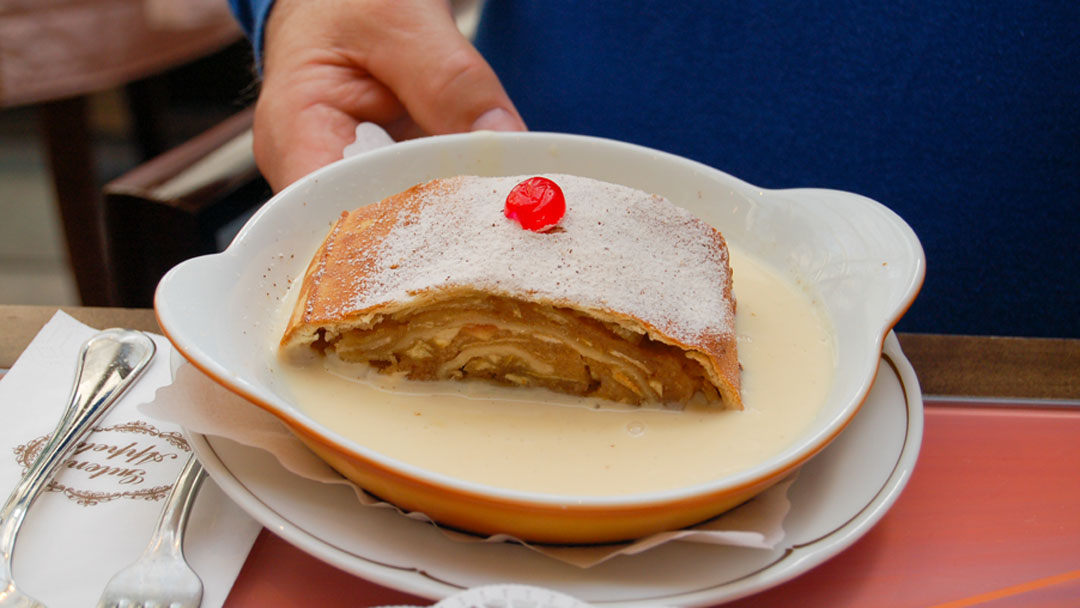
(513, 342)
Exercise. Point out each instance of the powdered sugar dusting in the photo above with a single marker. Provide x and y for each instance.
(616, 249)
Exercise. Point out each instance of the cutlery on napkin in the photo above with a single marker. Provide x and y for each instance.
(100, 510)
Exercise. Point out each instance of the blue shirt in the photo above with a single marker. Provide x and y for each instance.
(252, 14)
(963, 117)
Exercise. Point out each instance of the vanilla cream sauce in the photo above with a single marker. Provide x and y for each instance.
(538, 441)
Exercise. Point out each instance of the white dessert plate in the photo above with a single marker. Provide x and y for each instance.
(855, 257)
(839, 495)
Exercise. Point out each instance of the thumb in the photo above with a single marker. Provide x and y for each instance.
(443, 82)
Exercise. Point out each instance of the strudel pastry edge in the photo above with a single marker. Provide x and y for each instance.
(390, 289)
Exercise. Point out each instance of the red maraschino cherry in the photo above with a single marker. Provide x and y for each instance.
(536, 203)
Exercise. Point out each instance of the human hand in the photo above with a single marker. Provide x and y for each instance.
(330, 64)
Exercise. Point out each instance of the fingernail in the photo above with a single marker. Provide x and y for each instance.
(497, 119)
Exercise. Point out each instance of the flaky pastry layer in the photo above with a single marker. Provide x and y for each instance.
(465, 328)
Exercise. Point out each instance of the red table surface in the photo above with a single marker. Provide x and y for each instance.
(990, 518)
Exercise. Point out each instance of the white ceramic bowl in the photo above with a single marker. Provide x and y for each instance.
(863, 262)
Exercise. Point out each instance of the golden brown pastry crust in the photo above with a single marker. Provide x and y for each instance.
(346, 267)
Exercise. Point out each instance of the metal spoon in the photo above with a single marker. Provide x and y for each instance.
(108, 364)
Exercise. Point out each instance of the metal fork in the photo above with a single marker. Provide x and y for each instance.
(161, 576)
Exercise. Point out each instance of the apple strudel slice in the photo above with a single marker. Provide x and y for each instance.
(627, 298)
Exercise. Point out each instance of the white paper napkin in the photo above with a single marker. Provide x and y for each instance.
(369, 136)
(99, 512)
